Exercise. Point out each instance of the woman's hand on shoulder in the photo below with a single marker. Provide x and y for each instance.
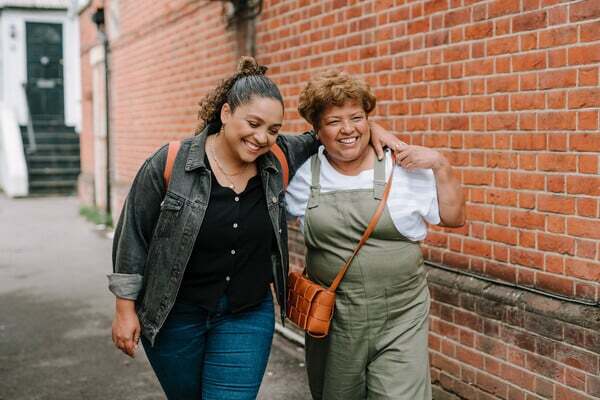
(380, 137)
(126, 327)
(413, 157)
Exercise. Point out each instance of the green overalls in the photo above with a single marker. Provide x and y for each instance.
(377, 346)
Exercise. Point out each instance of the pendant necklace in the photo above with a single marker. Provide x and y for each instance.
(220, 167)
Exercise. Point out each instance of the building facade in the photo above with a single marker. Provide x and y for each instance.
(508, 90)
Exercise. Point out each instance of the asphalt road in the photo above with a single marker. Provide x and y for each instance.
(56, 312)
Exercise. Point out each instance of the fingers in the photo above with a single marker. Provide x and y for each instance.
(378, 150)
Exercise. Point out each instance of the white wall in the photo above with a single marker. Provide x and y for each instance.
(14, 56)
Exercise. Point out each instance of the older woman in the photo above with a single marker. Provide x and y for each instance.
(377, 346)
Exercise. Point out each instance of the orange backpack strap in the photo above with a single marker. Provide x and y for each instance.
(171, 154)
(285, 169)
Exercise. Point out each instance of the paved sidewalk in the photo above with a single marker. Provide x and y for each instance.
(55, 314)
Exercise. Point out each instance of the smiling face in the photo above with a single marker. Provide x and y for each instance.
(344, 131)
(252, 128)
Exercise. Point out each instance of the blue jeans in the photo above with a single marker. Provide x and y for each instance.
(212, 356)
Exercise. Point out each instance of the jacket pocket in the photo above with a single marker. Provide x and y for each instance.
(170, 210)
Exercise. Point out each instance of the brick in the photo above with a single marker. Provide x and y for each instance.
(529, 21)
(502, 46)
(528, 62)
(557, 162)
(528, 101)
(564, 393)
(587, 207)
(434, 6)
(527, 219)
(529, 141)
(547, 327)
(558, 79)
(501, 197)
(584, 10)
(479, 31)
(587, 164)
(477, 248)
(587, 120)
(590, 32)
(584, 54)
(503, 7)
(583, 185)
(557, 121)
(457, 17)
(593, 387)
(556, 244)
(527, 258)
(558, 37)
(555, 283)
(518, 377)
(503, 235)
(544, 387)
(520, 180)
(584, 98)
(588, 270)
(492, 385)
(502, 122)
(555, 223)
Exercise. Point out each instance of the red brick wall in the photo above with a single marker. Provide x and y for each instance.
(166, 57)
(508, 89)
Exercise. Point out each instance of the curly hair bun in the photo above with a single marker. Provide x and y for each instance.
(249, 66)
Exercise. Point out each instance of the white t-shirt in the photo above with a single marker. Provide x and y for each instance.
(412, 200)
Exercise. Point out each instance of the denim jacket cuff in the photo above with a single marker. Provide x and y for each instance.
(125, 286)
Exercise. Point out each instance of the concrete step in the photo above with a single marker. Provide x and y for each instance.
(55, 186)
(53, 138)
(37, 161)
(56, 149)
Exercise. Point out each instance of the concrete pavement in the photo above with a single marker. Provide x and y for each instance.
(56, 312)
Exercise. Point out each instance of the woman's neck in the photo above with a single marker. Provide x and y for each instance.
(354, 167)
(224, 154)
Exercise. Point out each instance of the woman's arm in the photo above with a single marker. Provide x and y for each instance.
(130, 249)
(449, 191)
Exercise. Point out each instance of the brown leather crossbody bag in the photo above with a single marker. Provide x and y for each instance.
(309, 305)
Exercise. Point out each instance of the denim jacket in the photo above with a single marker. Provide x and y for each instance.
(156, 232)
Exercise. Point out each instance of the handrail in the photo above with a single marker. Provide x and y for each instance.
(32, 145)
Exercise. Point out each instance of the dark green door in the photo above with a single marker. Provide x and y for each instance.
(45, 91)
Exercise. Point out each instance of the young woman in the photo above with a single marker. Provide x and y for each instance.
(193, 261)
(377, 345)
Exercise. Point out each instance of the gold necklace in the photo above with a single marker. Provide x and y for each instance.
(220, 167)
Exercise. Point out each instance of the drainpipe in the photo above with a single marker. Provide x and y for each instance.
(242, 14)
(98, 19)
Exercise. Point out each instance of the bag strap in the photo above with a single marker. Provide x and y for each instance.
(171, 155)
(370, 228)
(285, 169)
(174, 149)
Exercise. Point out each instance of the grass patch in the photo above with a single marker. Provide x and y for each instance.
(95, 215)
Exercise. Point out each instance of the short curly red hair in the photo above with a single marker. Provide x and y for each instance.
(333, 88)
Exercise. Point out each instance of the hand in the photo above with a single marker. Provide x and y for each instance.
(413, 157)
(381, 137)
(126, 327)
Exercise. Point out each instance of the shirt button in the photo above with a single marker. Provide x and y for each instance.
(237, 198)
(274, 199)
(227, 278)
(232, 251)
(280, 230)
(235, 225)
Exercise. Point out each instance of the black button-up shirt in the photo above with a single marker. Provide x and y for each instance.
(232, 253)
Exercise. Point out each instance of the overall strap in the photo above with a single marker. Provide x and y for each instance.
(315, 185)
(379, 177)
